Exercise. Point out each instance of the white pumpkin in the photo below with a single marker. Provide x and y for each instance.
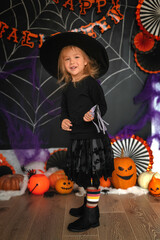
(145, 177)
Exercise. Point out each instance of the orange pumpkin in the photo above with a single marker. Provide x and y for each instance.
(154, 186)
(105, 183)
(11, 182)
(38, 184)
(125, 173)
(64, 186)
(55, 176)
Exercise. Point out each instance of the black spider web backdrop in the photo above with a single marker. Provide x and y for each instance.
(30, 98)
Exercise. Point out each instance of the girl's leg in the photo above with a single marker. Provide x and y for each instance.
(93, 195)
(90, 217)
(91, 201)
(78, 212)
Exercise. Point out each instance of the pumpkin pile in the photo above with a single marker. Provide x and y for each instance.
(59, 181)
(151, 181)
(56, 176)
(144, 179)
(125, 173)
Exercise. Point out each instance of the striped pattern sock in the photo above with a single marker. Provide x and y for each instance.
(93, 195)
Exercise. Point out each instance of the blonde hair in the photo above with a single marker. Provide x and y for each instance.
(91, 69)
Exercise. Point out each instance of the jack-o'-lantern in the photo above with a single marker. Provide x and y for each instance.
(105, 183)
(38, 184)
(154, 186)
(125, 172)
(64, 186)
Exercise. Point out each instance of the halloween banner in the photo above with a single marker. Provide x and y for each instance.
(28, 38)
(30, 97)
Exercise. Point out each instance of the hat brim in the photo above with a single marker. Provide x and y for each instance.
(51, 48)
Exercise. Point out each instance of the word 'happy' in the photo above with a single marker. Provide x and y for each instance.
(86, 4)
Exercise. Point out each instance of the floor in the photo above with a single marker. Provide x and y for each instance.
(122, 217)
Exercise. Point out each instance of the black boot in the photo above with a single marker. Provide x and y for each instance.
(78, 212)
(90, 219)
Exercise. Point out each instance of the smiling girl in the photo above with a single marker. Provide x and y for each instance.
(79, 60)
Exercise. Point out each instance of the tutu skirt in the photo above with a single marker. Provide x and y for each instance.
(88, 160)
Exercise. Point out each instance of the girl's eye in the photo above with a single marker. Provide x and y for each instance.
(76, 56)
(66, 59)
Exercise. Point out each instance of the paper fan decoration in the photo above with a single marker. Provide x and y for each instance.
(143, 43)
(149, 62)
(56, 159)
(148, 17)
(136, 148)
(5, 167)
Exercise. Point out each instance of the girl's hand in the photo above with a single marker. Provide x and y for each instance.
(88, 117)
(66, 124)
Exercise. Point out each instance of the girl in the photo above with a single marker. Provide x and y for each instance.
(77, 59)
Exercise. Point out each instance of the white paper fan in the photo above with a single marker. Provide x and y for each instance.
(136, 148)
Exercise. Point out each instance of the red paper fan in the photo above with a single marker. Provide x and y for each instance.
(148, 17)
(136, 148)
(143, 43)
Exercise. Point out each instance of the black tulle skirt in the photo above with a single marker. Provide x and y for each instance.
(88, 160)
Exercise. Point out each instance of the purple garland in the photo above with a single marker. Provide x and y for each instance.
(146, 98)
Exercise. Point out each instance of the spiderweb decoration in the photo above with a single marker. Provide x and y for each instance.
(136, 148)
(30, 98)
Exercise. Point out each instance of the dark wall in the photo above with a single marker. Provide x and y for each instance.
(30, 98)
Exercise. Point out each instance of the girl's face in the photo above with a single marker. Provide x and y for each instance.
(74, 62)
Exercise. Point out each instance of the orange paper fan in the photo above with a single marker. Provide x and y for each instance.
(3, 162)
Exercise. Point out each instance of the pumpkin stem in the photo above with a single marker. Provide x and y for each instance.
(122, 153)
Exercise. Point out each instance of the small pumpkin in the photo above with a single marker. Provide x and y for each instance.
(145, 177)
(64, 186)
(38, 184)
(55, 176)
(154, 186)
(105, 183)
(125, 173)
(11, 182)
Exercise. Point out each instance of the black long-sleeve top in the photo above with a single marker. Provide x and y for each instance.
(79, 99)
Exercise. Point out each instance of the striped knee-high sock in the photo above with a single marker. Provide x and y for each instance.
(93, 195)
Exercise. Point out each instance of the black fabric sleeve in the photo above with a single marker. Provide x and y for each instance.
(64, 108)
(97, 95)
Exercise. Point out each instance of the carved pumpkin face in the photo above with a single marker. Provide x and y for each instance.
(125, 173)
(64, 186)
(154, 186)
(38, 184)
